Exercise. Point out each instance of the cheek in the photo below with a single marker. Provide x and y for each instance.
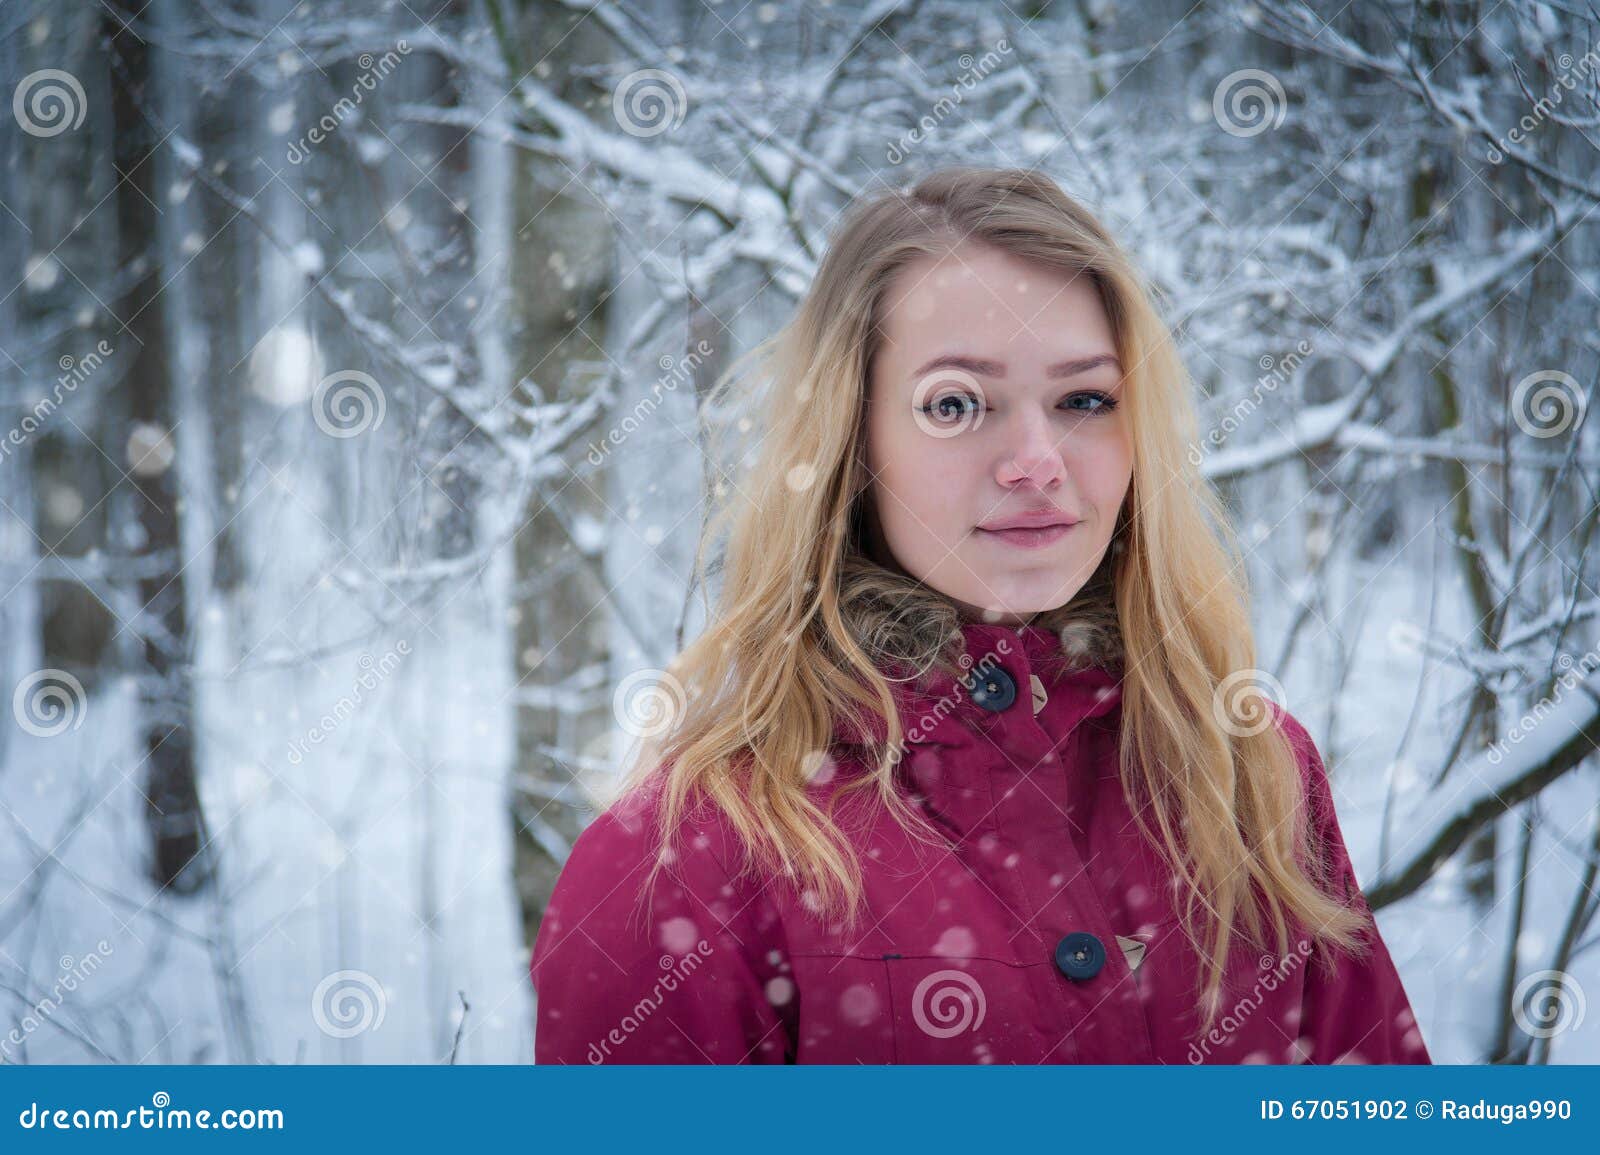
(1103, 466)
(918, 483)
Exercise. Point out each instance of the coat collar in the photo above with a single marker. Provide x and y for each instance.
(938, 710)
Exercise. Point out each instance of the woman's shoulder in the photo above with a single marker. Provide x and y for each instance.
(663, 936)
(625, 869)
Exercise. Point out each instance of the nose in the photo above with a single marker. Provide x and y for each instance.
(1034, 456)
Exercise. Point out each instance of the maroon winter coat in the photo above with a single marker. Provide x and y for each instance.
(1046, 931)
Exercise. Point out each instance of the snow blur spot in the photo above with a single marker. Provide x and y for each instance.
(818, 768)
(307, 257)
(150, 450)
(779, 991)
(957, 942)
(801, 477)
(859, 1005)
(678, 935)
(285, 366)
(42, 273)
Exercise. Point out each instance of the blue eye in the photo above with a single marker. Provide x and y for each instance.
(1105, 402)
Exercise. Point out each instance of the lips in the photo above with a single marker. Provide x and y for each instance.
(1034, 529)
(1037, 519)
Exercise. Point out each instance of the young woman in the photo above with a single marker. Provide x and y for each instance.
(964, 771)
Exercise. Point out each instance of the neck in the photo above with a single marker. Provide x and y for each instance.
(902, 622)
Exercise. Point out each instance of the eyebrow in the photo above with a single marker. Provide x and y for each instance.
(986, 368)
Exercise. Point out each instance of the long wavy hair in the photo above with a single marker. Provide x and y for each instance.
(807, 627)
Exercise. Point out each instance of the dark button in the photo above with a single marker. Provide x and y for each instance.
(992, 689)
(1080, 955)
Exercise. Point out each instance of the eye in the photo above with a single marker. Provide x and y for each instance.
(952, 406)
(1099, 403)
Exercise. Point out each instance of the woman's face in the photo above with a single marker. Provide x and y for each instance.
(993, 401)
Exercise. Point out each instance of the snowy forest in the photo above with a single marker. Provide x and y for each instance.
(352, 360)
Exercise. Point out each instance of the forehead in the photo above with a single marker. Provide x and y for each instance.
(990, 302)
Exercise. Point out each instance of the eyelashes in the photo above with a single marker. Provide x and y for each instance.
(940, 406)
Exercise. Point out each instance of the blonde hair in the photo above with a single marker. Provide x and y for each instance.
(785, 652)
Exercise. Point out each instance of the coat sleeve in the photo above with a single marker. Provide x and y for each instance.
(1354, 1009)
(690, 972)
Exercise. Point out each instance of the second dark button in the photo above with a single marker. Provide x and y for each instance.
(1080, 955)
